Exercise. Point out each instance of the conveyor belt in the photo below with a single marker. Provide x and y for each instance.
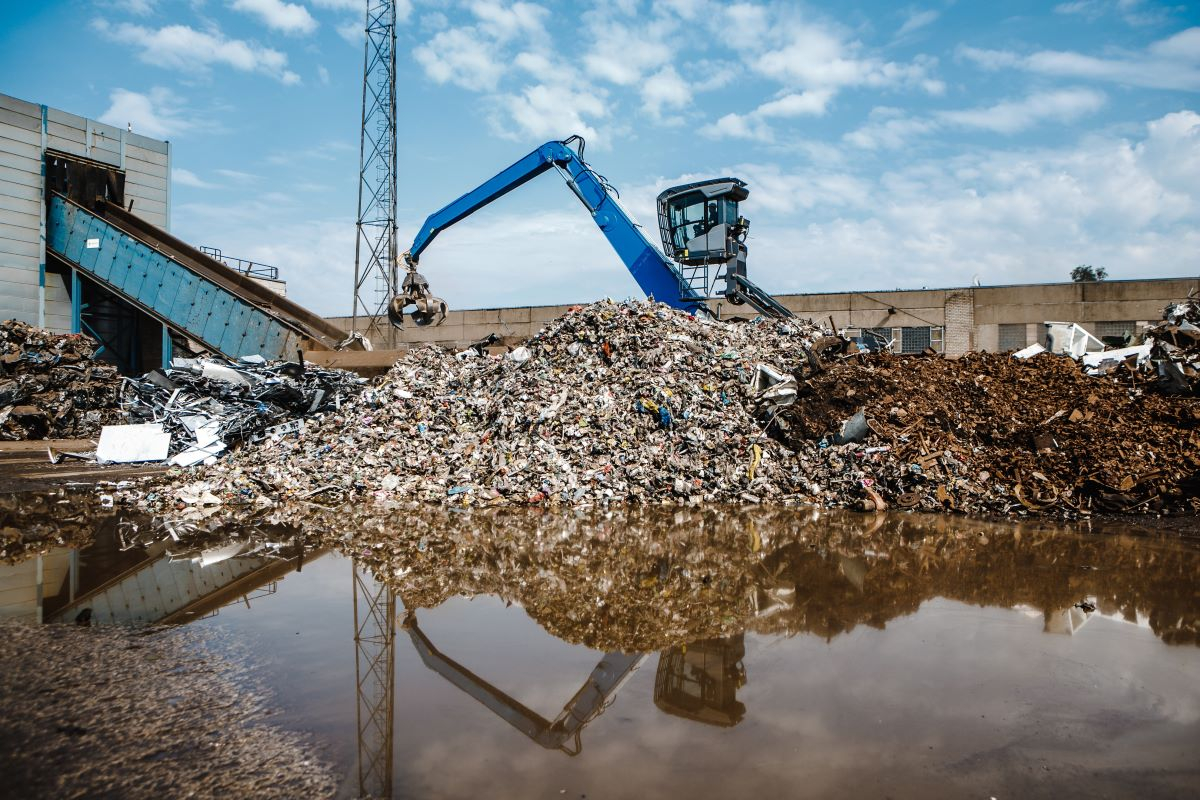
(173, 282)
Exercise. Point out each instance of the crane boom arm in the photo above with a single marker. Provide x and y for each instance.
(657, 276)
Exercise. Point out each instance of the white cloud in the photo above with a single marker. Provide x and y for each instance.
(622, 53)
(754, 125)
(812, 61)
(237, 176)
(358, 7)
(139, 8)
(186, 49)
(888, 129)
(1064, 105)
(322, 75)
(185, 177)
(738, 126)
(289, 18)
(1010, 216)
(461, 56)
(157, 114)
(1171, 63)
(1133, 12)
(1087, 8)
(339, 5)
(916, 21)
(508, 22)
(352, 32)
(665, 90)
(550, 111)
(812, 102)
(817, 57)
(891, 129)
(746, 24)
(989, 59)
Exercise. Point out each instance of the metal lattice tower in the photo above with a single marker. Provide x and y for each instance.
(375, 269)
(375, 673)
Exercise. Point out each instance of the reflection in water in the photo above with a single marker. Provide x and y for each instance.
(699, 681)
(121, 575)
(645, 580)
(684, 587)
(374, 681)
(564, 731)
(636, 579)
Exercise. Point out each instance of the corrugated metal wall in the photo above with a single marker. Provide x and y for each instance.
(26, 131)
(21, 211)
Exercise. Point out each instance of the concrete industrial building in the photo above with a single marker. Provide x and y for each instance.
(951, 321)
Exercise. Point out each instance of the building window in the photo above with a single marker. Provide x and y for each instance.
(875, 339)
(915, 340)
(1013, 337)
(1116, 332)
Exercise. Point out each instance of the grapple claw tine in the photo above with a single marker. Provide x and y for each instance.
(414, 292)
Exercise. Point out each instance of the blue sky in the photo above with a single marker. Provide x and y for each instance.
(886, 145)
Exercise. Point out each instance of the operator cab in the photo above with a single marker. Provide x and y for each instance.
(699, 222)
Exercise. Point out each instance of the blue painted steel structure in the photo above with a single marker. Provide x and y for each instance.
(178, 286)
(657, 275)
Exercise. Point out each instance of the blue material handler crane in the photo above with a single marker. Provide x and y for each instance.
(703, 237)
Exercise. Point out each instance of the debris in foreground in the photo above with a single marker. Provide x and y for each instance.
(166, 716)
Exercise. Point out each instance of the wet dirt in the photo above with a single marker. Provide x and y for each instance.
(712, 652)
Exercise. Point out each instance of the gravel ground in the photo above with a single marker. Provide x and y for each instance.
(114, 712)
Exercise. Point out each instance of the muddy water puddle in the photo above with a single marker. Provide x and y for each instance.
(711, 653)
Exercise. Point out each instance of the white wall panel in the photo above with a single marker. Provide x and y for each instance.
(147, 164)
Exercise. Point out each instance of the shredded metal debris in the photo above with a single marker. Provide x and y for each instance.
(50, 388)
(207, 405)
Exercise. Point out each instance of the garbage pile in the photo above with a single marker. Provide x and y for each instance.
(198, 408)
(49, 386)
(637, 403)
(990, 433)
(630, 402)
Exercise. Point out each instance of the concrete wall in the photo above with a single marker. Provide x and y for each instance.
(27, 130)
(967, 318)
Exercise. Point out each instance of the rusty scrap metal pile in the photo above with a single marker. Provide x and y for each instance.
(633, 402)
(991, 433)
(50, 387)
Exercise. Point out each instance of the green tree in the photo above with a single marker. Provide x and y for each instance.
(1086, 272)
